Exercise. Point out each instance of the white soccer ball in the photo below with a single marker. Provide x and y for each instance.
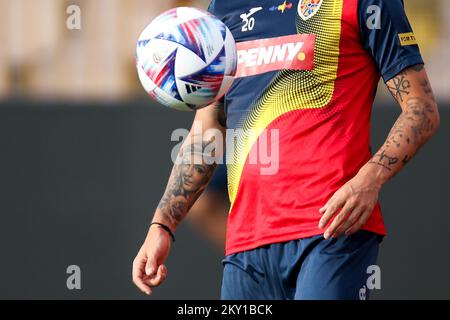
(186, 58)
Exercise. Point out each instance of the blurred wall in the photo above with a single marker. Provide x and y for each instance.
(79, 183)
(42, 59)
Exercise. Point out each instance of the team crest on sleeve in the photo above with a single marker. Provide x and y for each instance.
(308, 8)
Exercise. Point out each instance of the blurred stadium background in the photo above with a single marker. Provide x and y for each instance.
(85, 155)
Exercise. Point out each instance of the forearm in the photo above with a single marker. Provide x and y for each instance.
(176, 200)
(194, 166)
(416, 124)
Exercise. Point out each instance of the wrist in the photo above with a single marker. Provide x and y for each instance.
(374, 174)
(162, 227)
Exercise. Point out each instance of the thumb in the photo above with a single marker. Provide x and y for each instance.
(150, 266)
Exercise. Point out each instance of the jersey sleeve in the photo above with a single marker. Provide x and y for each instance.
(387, 35)
(215, 9)
(211, 7)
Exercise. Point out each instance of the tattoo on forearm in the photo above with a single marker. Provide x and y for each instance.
(406, 160)
(398, 133)
(421, 116)
(384, 160)
(189, 177)
(413, 127)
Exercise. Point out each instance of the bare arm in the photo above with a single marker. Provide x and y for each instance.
(190, 176)
(188, 180)
(416, 124)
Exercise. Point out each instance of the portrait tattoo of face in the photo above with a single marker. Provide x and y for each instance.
(195, 171)
(189, 178)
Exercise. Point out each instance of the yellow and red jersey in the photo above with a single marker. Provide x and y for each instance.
(308, 69)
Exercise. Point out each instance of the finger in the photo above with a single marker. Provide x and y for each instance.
(350, 221)
(359, 223)
(330, 211)
(138, 275)
(324, 208)
(142, 286)
(338, 220)
(159, 278)
(150, 266)
(331, 200)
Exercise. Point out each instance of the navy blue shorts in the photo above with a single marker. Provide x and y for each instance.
(304, 269)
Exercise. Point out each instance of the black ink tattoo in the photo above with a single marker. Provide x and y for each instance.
(415, 125)
(190, 176)
(405, 160)
(397, 133)
(384, 160)
(425, 84)
(420, 116)
(399, 88)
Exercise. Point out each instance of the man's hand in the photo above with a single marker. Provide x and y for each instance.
(148, 266)
(186, 183)
(352, 204)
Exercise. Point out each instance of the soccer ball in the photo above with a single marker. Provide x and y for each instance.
(186, 58)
